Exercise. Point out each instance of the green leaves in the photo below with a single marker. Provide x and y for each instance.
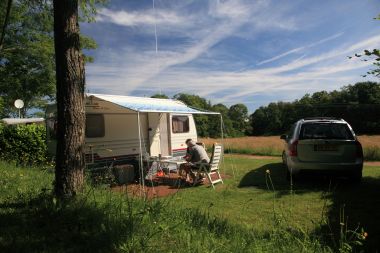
(27, 60)
(358, 104)
(88, 9)
(24, 144)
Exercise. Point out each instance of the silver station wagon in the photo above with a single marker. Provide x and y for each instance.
(323, 144)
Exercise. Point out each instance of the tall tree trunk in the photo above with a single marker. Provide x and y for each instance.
(5, 24)
(70, 100)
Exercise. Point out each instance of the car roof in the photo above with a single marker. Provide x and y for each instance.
(323, 119)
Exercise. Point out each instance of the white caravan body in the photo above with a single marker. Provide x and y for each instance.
(120, 128)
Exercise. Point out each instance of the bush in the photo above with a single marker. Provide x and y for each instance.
(23, 144)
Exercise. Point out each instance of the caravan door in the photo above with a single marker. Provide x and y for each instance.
(164, 135)
(158, 134)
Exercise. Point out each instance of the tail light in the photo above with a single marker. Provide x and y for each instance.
(293, 148)
(359, 149)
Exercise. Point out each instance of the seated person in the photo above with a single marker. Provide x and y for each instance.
(195, 154)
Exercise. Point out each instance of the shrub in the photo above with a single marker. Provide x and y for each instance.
(23, 144)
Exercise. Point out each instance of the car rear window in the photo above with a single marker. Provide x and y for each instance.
(325, 131)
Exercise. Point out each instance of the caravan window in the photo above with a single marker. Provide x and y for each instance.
(180, 124)
(94, 125)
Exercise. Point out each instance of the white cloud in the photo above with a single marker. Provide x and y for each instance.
(225, 18)
(125, 18)
(300, 49)
(131, 69)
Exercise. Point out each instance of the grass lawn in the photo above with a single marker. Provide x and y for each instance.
(243, 215)
(247, 198)
(273, 145)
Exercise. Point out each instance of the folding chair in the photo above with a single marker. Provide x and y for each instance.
(212, 168)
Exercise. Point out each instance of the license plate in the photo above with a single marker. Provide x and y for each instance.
(325, 147)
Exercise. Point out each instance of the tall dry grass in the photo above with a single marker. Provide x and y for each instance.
(273, 145)
(256, 145)
(369, 140)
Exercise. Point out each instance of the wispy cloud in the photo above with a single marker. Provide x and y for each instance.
(300, 49)
(134, 18)
(224, 19)
(175, 68)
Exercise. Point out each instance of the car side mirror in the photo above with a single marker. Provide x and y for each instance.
(283, 137)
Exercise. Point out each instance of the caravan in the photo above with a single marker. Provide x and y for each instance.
(120, 128)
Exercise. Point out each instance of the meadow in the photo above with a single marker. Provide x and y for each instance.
(273, 145)
(255, 210)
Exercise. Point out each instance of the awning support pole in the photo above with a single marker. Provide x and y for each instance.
(221, 127)
(141, 165)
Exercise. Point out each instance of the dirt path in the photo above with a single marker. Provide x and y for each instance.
(160, 187)
(369, 163)
(374, 163)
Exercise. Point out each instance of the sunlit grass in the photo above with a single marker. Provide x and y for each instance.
(273, 145)
(242, 215)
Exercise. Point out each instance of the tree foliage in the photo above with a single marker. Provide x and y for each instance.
(238, 114)
(235, 118)
(27, 60)
(195, 101)
(23, 144)
(358, 104)
(159, 96)
(27, 57)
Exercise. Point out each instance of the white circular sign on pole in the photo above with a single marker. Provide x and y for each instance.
(19, 104)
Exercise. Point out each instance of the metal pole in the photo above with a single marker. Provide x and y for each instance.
(141, 160)
(221, 127)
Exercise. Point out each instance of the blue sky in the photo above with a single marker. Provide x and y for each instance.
(251, 52)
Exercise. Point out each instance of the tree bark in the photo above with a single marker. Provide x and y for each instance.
(5, 24)
(70, 100)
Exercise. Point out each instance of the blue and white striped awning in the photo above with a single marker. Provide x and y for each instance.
(144, 104)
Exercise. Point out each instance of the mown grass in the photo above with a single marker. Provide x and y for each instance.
(273, 145)
(312, 206)
(243, 215)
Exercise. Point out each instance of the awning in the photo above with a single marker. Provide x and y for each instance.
(144, 104)
(16, 121)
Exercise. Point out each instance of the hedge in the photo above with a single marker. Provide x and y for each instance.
(23, 144)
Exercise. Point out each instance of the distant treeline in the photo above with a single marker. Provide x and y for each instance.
(358, 104)
(235, 117)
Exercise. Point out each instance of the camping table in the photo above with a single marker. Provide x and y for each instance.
(165, 163)
(162, 163)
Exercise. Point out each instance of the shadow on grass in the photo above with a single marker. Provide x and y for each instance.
(39, 225)
(305, 183)
(361, 202)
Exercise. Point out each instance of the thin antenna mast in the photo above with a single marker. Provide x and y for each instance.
(155, 36)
